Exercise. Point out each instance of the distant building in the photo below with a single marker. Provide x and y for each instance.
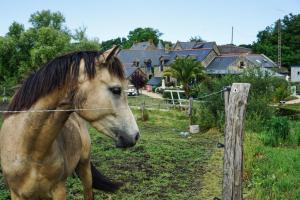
(143, 46)
(295, 73)
(232, 49)
(217, 60)
(235, 63)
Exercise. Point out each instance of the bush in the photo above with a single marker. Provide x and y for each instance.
(277, 131)
(280, 127)
(265, 90)
(268, 139)
(294, 137)
(202, 116)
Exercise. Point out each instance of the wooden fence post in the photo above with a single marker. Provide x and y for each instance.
(190, 109)
(226, 98)
(233, 152)
(143, 110)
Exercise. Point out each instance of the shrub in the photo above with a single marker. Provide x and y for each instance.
(279, 126)
(202, 116)
(277, 131)
(294, 137)
(265, 90)
(268, 139)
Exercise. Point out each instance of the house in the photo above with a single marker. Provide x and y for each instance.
(295, 73)
(153, 83)
(130, 72)
(235, 63)
(143, 46)
(145, 59)
(232, 49)
(217, 60)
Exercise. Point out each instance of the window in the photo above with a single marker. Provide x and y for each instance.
(242, 64)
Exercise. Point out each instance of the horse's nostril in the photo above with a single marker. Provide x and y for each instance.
(137, 136)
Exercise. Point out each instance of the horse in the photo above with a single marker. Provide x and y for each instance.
(44, 139)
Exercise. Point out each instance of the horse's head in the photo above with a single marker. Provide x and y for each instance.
(102, 100)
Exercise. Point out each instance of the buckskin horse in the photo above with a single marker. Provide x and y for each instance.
(44, 139)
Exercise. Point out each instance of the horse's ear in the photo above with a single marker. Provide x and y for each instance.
(108, 54)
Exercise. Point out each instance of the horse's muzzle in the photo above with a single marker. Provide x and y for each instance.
(124, 140)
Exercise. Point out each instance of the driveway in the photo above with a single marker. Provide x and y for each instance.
(151, 94)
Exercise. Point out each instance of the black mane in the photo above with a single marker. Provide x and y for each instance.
(56, 73)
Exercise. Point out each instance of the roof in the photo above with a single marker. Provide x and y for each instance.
(220, 64)
(195, 45)
(232, 49)
(155, 81)
(129, 71)
(142, 46)
(199, 54)
(261, 60)
(207, 45)
(186, 45)
(129, 56)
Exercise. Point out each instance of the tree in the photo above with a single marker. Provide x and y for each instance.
(48, 44)
(109, 43)
(186, 70)
(143, 35)
(267, 40)
(82, 43)
(138, 81)
(15, 30)
(23, 51)
(80, 34)
(196, 39)
(46, 18)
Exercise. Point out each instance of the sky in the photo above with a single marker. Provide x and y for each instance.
(176, 19)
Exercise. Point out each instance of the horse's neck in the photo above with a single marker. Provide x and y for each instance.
(42, 127)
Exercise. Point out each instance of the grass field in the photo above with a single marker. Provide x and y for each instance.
(271, 173)
(166, 165)
(163, 165)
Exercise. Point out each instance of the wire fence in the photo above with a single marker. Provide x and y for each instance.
(135, 102)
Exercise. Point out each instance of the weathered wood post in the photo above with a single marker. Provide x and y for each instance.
(143, 110)
(190, 110)
(233, 153)
(226, 98)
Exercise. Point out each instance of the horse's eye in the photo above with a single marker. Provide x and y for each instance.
(116, 90)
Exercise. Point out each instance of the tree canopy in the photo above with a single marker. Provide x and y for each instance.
(196, 39)
(186, 70)
(134, 36)
(46, 18)
(23, 51)
(267, 40)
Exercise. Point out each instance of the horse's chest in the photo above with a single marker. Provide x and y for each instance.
(29, 178)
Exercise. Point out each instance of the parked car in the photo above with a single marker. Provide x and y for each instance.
(131, 91)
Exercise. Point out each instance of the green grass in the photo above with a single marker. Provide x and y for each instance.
(149, 102)
(271, 173)
(163, 165)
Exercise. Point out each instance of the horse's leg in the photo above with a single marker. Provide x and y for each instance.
(85, 175)
(59, 192)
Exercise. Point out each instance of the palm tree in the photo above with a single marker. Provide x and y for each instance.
(185, 70)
